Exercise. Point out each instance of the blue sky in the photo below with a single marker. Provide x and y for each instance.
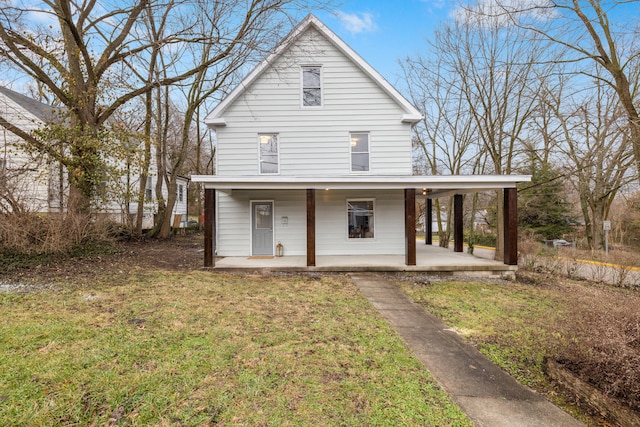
(385, 31)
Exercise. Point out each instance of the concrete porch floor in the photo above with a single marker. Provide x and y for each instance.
(429, 258)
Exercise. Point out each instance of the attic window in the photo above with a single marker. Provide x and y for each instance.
(312, 86)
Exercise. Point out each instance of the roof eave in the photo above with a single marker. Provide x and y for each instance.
(439, 183)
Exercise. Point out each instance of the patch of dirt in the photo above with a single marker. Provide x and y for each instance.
(178, 253)
(601, 332)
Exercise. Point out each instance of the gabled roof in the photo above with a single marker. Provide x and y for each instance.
(412, 115)
(43, 112)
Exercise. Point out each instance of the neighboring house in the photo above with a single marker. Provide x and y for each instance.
(25, 181)
(481, 221)
(314, 152)
(421, 226)
(38, 184)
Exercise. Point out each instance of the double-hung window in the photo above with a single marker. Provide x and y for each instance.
(312, 86)
(180, 193)
(269, 153)
(148, 190)
(359, 152)
(360, 218)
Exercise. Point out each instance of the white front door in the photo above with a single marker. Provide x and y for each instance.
(262, 228)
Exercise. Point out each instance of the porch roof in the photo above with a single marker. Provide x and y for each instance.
(434, 185)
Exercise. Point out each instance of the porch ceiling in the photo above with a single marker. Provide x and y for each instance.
(436, 185)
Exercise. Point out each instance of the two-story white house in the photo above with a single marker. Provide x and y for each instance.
(37, 184)
(314, 158)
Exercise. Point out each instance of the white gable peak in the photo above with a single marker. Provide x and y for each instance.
(411, 114)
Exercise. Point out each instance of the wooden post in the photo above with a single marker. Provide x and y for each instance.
(410, 225)
(510, 228)
(428, 219)
(458, 223)
(210, 227)
(311, 227)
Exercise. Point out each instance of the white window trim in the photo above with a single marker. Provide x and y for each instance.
(351, 155)
(375, 232)
(180, 191)
(311, 107)
(278, 153)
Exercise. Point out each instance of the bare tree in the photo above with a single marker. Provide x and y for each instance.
(202, 85)
(592, 35)
(595, 141)
(446, 137)
(96, 44)
(500, 80)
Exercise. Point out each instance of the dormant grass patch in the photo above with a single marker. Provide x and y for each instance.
(592, 329)
(199, 348)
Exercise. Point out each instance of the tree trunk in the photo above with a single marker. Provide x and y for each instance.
(146, 161)
(164, 226)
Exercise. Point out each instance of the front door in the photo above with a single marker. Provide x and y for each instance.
(262, 228)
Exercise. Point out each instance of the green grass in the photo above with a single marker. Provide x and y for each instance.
(516, 326)
(200, 348)
(512, 324)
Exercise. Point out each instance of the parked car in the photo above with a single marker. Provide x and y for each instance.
(561, 242)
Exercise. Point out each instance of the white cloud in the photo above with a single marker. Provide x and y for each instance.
(357, 22)
(437, 4)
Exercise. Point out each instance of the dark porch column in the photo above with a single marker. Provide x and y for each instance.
(510, 228)
(209, 227)
(458, 223)
(311, 227)
(428, 222)
(410, 225)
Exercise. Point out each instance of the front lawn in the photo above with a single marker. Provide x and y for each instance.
(200, 348)
(592, 329)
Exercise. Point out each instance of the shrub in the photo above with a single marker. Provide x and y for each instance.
(605, 348)
(34, 234)
(483, 239)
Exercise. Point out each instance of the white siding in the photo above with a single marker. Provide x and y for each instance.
(332, 226)
(29, 183)
(30, 186)
(314, 141)
(234, 222)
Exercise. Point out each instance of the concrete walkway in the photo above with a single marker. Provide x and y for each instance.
(486, 393)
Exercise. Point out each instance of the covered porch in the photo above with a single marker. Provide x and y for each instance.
(429, 259)
(416, 257)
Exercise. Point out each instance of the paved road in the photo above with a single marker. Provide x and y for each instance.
(486, 393)
(568, 266)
